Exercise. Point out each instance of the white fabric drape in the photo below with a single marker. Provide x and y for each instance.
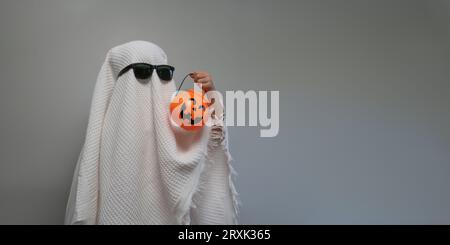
(135, 167)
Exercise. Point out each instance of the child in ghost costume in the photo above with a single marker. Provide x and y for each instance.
(135, 167)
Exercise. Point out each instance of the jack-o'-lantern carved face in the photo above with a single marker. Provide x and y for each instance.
(188, 109)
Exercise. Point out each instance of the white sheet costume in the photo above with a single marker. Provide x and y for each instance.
(134, 168)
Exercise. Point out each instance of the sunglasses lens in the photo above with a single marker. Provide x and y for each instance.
(165, 73)
(142, 71)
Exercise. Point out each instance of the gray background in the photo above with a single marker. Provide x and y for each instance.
(364, 100)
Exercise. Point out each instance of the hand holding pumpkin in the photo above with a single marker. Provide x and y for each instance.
(185, 109)
(204, 79)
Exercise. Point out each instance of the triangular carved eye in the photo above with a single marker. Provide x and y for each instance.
(182, 114)
(183, 108)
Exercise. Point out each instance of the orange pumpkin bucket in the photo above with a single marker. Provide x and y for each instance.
(188, 108)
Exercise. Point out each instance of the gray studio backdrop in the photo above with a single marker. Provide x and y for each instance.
(364, 100)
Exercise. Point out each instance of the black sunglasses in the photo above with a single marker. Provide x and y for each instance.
(144, 71)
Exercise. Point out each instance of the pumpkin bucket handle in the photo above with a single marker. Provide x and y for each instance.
(182, 81)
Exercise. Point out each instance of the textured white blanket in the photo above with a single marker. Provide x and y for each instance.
(134, 167)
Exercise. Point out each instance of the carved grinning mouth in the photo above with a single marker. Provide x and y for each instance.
(188, 116)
